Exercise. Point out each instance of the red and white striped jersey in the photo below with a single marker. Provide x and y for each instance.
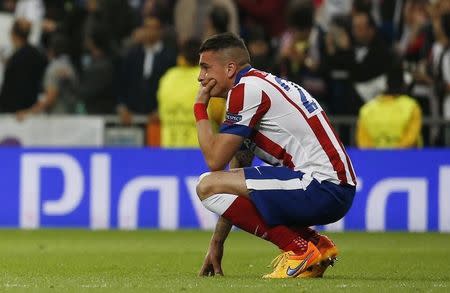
(285, 126)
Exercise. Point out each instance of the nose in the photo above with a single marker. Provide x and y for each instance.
(201, 76)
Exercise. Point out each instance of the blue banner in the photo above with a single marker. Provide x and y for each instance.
(154, 188)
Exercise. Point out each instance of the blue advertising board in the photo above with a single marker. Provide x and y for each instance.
(132, 188)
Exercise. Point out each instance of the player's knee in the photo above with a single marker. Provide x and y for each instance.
(204, 186)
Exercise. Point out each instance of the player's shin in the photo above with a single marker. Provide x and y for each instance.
(243, 214)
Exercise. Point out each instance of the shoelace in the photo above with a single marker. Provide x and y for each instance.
(282, 257)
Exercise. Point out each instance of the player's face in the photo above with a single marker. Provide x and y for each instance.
(212, 66)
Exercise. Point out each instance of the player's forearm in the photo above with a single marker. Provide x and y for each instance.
(206, 140)
(223, 227)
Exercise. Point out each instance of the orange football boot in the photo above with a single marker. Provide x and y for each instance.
(329, 253)
(290, 265)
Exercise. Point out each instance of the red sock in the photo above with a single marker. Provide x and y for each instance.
(308, 234)
(243, 214)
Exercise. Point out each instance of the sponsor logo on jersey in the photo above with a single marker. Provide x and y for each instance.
(233, 118)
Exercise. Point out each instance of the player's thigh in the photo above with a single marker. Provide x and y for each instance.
(232, 181)
(287, 197)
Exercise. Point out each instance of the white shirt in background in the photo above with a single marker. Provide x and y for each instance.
(150, 53)
(33, 11)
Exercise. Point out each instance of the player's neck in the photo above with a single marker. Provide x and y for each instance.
(242, 70)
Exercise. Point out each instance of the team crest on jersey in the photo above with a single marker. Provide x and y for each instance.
(232, 118)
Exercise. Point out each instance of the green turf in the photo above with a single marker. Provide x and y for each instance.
(152, 261)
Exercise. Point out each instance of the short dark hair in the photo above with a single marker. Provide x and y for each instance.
(225, 41)
(222, 41)
(189, 49)
(21, 28)
(370, 19)
(395, 79)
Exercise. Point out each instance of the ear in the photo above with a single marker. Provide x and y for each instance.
(231, 69)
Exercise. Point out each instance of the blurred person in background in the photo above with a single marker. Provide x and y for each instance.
(328, 10)
(438, 73)
(23, 72)
(299, 57)
(370, 52)
(142, 68)
(117, 15)
(267, 13)
(342, 97)
(261, 53)
(422, 69)
(163, 8)
(96, 88)
(443, 74)
(431, 77)
(8, 6)
(217, 22)
(55, 14)
(59, 84)
(385, 14)
(414, 30)
(176, 96)
(120, 18)
(191, 17)
(363, 54)
(391, 120)
(34, 12)
(362, 6)
(75, 19)
(67, 17)
(341, 94)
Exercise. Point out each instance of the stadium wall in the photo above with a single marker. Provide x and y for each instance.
(135, 188)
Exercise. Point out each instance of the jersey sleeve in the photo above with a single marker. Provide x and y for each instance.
(246, 105)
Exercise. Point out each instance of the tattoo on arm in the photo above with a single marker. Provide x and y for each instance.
(223, 227)
(242, 159)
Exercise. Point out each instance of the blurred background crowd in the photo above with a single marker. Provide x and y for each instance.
(380, 68)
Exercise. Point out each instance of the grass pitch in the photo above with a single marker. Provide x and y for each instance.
(154, 261)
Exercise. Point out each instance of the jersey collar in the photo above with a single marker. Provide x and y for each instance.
(241, 73)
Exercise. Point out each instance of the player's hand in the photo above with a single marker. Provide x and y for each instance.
(212, 264)
(204, 94)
